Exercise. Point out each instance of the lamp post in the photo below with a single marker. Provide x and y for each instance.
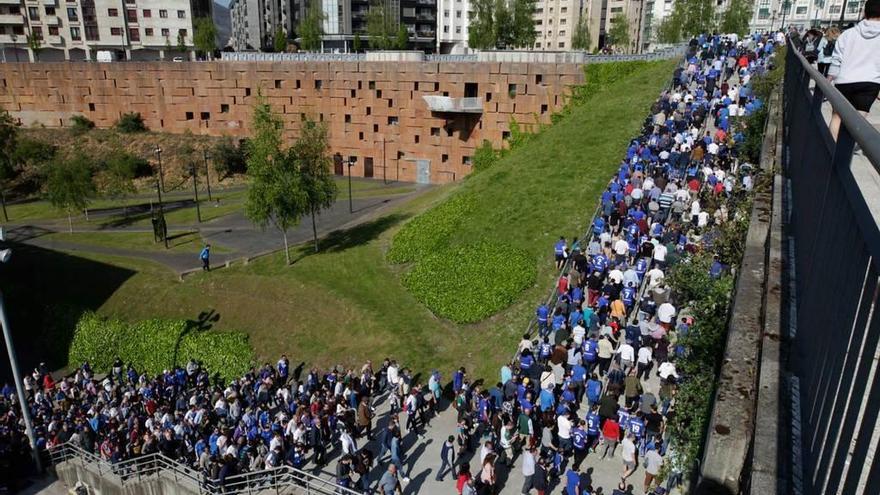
(207, 176)
(13, 361)
(192, 167)
(351, 161)
(160, 226)
(786, 5)
(161, 174)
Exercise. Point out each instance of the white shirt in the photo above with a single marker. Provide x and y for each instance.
(666, 370)
(564, 425)
(621, 247)
(655, 276)
(702, 219)
(628, 453)
(578, 333)
(616, 275)
(665, 313)
(627, 353)
(645, 354)
(660, 252)
(695, 207)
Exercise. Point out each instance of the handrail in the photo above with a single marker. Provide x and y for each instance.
(857, 125)
(132, 470)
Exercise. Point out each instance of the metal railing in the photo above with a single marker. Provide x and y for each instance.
(834, 240)
(283, 479)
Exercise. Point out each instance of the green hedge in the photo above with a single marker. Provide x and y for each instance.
(468, 283)
(157, 344)
(425, 233)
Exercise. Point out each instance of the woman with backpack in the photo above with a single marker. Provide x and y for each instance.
(826, 49)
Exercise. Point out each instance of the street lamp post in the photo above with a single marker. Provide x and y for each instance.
(161, 174)
(161, 227)
(207, 176)
(192, 166)
(13, 361)
(351, 161)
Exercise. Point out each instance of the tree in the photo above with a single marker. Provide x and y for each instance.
(524, 23)
(116, 181)
(275, 195)
(379, 26)
(35, 43)
(504, 29)
(698, 17)
(8, 139)
(356, 43)
(581, 39)
(279, 41)
(181, 42)
(70, 187)
(669, 30)
(205, 37)
(310, 152)
(619, 32)
(228, 158)
(402, 39)
(311, 28)
(481, 31)
(736, 18)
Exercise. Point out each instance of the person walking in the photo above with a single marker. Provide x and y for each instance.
(855, 66)
(826, 49)
(653, 465)
(205, 256)
(389, 484)
(528, 470)
(447, 458)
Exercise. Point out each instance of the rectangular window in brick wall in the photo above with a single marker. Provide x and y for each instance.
(189, 116)
(224, 108)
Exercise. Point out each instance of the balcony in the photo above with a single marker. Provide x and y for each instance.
(426, 17)
(52, 20)
(53, 39)
(446, 104)
(10, 2)
(11, 19)
(50, 3)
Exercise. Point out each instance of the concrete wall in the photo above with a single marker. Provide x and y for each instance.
(374, 110)
(73, 471)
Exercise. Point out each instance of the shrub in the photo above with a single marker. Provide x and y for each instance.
(228, 158)
(468, 283)
(485, 156)
(81, 123)
(157, 344)
(131, 122)
(426, 232)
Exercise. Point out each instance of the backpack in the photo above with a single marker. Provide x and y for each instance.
(829, 48)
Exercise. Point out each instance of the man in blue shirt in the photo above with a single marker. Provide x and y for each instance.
(579, 442)
(205, 256)
(542, 313)
(572, 482)
(559, 251)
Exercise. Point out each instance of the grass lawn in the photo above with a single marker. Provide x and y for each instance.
(346, 304)
(139, 241)
(224, 202)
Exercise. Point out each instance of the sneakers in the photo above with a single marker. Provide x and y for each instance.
(405, 480)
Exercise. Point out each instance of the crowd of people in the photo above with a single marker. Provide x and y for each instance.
(596, 384)
(600, 380)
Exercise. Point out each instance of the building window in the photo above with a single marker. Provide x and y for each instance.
(189, 116)
(72, 15)
(834, 9)
(33, 13)
(224, 108)
(37, 32)
(538, 45)
(445, 13)
(181, 14)
(92, 33)
(763, 13)
(561, 33)
(148, 31)
(465, 160)
(801, 10)
(113, 12)
(561, 44)
(53, 30)
(563, 10)
(50, 10)
(445, 29)
(74, 34)
(131, 15)
(148, 13)
(562, 21)
(165, 32)
(457, 29)
(852, 7)
(163, 14)
(134, 34)
(458, 14)
(116, 31)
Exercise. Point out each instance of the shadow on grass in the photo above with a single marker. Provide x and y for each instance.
(204, 322)
(340, 240)
(46, 292)
(115, 217)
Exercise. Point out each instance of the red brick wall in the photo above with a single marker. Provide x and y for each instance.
(356, 99)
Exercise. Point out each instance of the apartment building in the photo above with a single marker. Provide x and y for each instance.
(603, 12)
(654, 12)
(769, 14)
(78, 29)
(555, 23)
(254, 22)
(453, 19)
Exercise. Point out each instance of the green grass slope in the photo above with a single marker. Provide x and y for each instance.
(521, 205)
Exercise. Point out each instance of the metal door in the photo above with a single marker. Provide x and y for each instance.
(423, 171)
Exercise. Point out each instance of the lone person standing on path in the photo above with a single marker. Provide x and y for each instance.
(205, 256)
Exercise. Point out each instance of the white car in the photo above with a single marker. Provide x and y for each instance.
(177, 59)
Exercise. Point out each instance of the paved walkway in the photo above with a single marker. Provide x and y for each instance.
(232, 231)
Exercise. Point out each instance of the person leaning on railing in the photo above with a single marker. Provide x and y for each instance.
(855, 64)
